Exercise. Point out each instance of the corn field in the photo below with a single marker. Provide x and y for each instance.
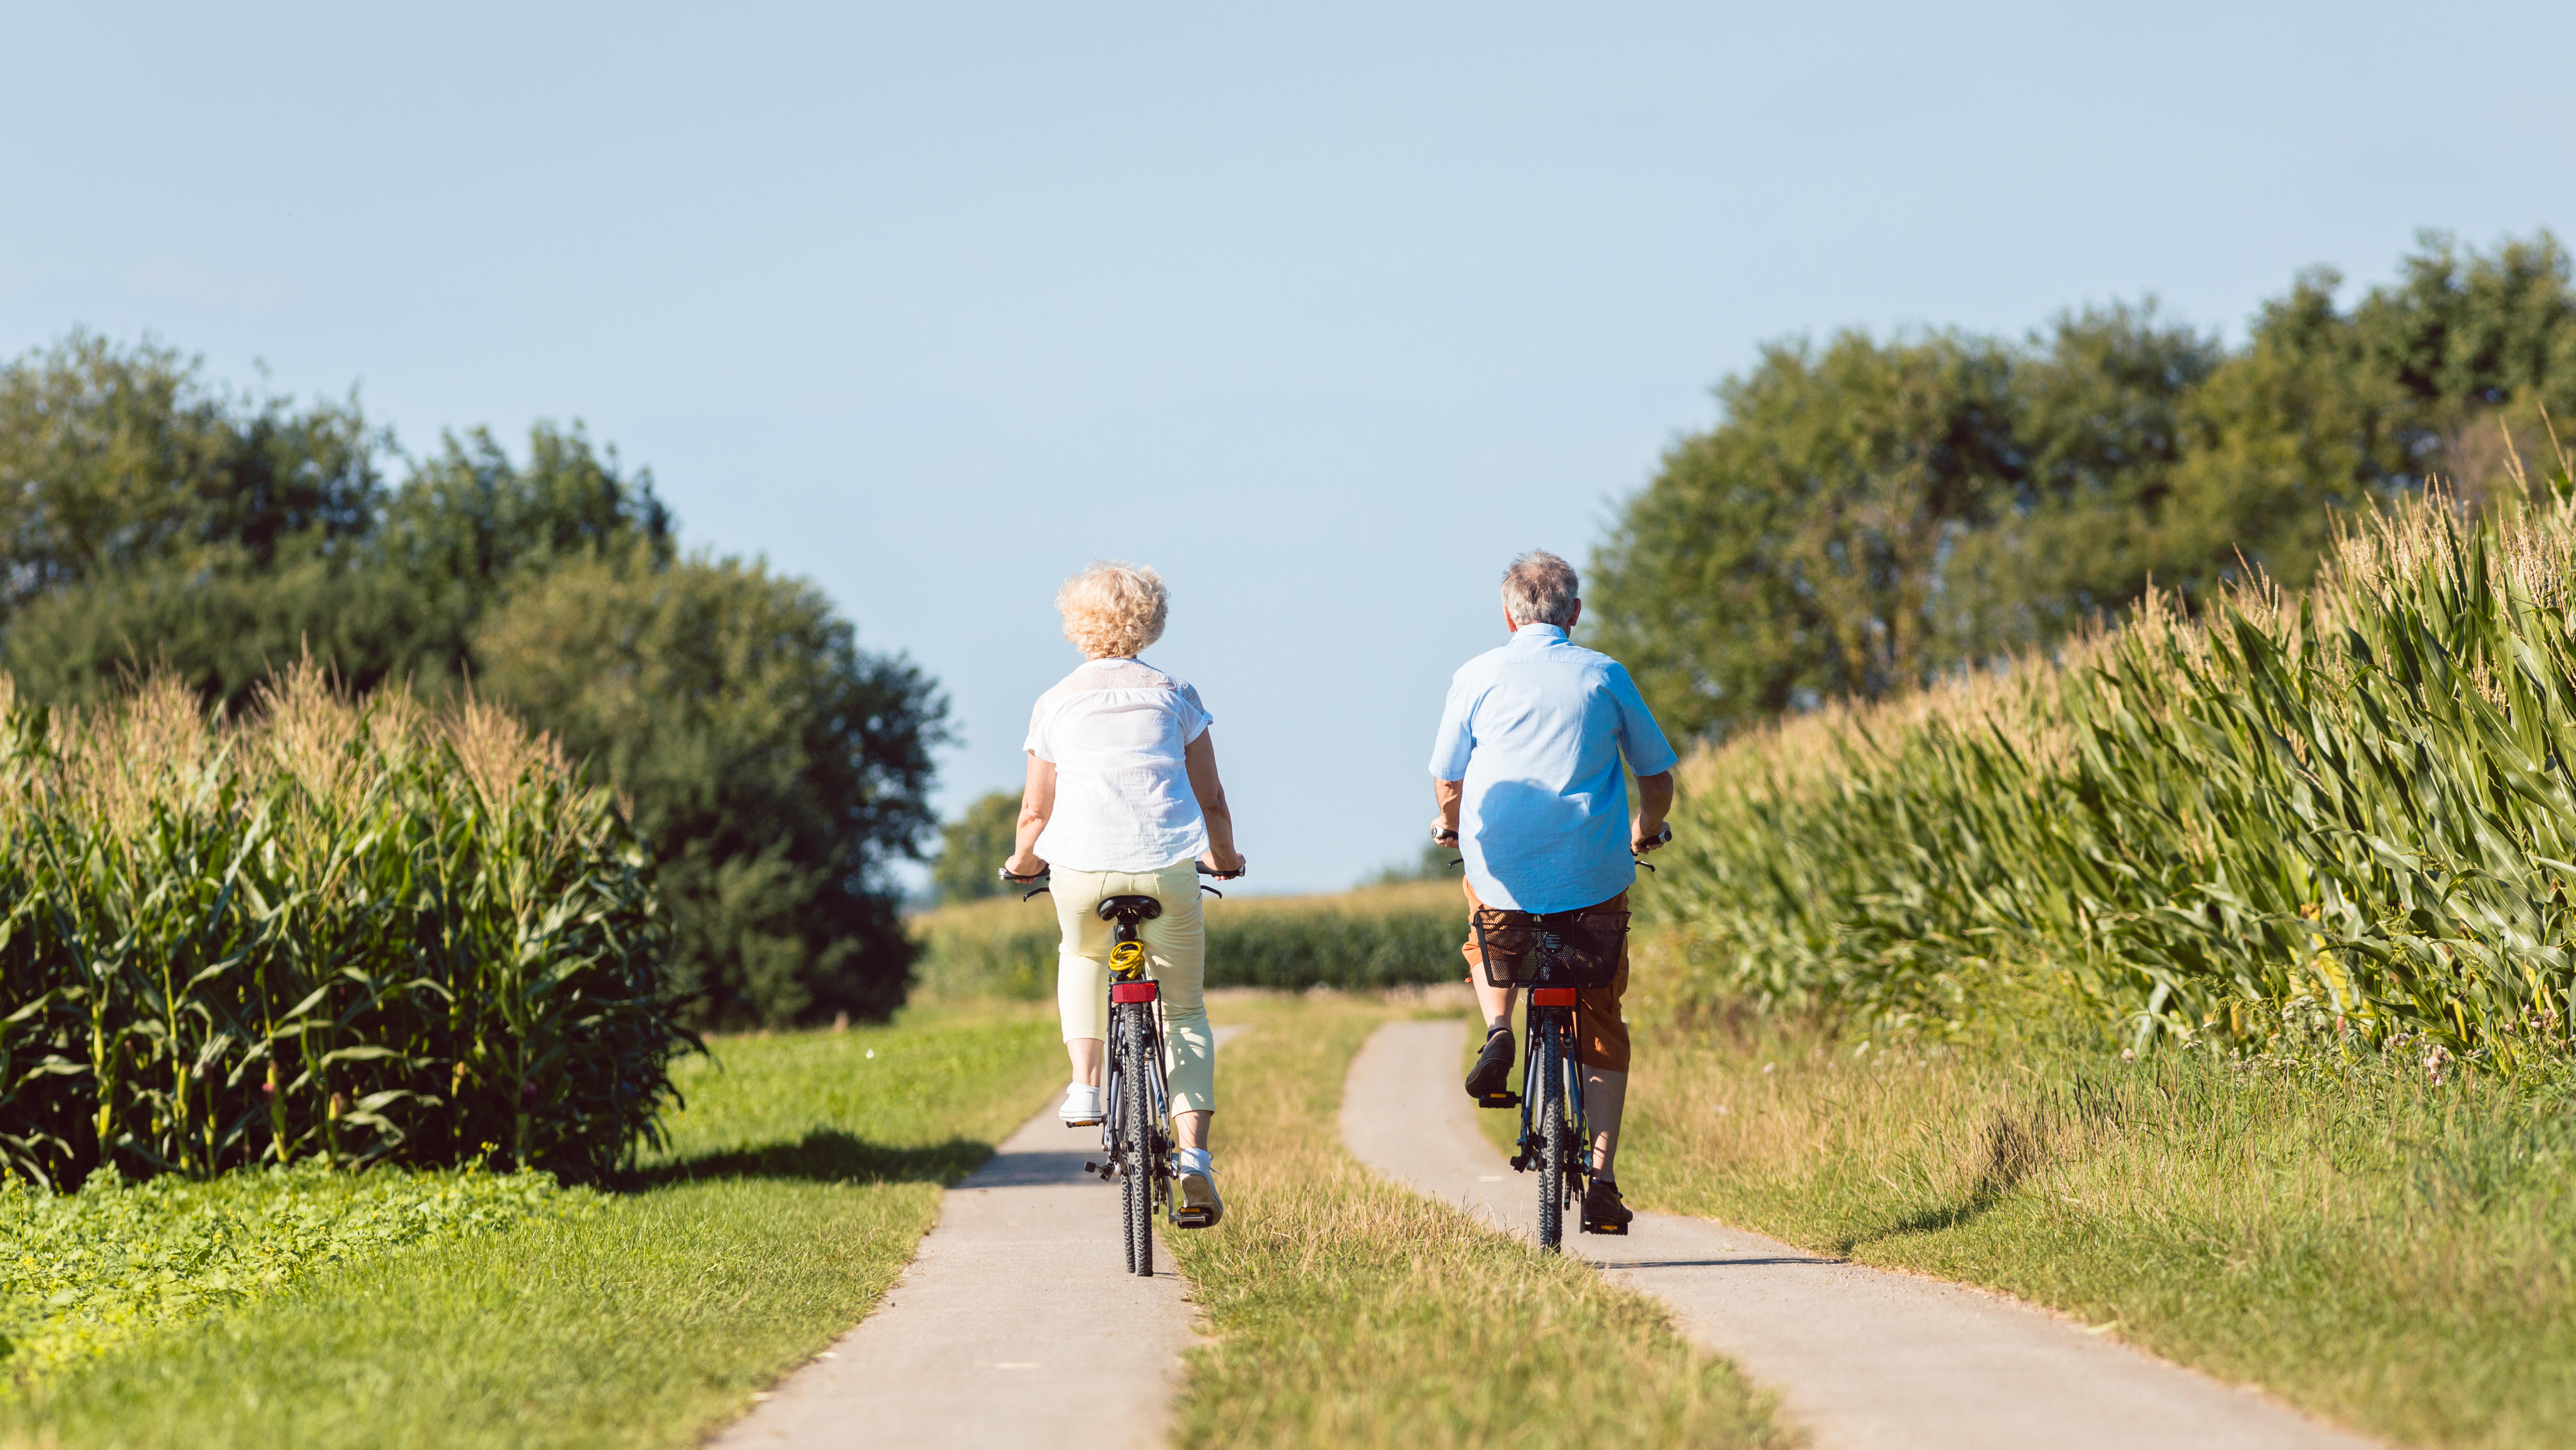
(2355, 803)
(359, 931)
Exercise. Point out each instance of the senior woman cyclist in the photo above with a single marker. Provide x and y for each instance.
(1123, 799)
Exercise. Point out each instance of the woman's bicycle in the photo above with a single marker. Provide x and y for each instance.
(1554, 957)
(1136, 1124)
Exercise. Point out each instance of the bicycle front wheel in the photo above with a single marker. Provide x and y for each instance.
(1137, 1109)
(1553, 1132)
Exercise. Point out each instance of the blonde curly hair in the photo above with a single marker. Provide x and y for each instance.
(1113, 610)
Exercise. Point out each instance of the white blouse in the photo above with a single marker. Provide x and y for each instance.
(1115, 730)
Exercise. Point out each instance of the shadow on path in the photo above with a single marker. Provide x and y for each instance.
(823, 1156)
(1747, 1262)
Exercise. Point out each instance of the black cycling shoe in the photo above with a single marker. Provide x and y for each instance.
(1603, 1213)
(1489, 1081)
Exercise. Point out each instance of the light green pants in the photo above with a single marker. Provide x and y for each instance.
(1175, 956)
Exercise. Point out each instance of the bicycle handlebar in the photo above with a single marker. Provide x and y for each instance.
(1004, 872)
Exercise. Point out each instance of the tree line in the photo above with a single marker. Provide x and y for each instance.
(153, 522)
(1871, 514)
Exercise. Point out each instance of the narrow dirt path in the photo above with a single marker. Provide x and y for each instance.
(1861, 1357)
(1017, 1324)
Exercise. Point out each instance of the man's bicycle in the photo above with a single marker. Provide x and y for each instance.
(1554, 956)
(1136, 1123)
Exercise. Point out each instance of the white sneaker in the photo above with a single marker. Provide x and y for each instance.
(1200, 1205)
(1081, 1107)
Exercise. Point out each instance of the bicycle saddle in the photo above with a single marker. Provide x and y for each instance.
(1129, 908)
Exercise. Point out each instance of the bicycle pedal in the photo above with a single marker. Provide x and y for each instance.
(1607, 1230)
(1080, 1122)
(1107, 1171)
(1499, 1100)
(1193, 1218)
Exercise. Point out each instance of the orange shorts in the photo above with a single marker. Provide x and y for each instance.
(1601, 1033)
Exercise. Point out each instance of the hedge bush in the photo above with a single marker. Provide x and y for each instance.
(1383, 936)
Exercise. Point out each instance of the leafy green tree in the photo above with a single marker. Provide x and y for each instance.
(2102, 400)
(776, 767)
(396, 601)
(115, 458)
(468, 523)
(221, 629)
(1793, 552)
(1866, 519)
(973, 846)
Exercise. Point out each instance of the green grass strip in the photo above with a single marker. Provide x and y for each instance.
(1348, 1312)
(82, 1274)
(799, 1181)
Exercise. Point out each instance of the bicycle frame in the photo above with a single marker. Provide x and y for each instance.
(1530, 1095)
(1554, 1012)
(1127, 968)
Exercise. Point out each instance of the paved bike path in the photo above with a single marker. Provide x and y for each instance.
(1016, 1323)
(1861, 1357)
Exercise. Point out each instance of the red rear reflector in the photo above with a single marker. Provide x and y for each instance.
(1134, 991)
(1551, 996)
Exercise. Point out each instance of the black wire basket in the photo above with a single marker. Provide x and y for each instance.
(1557, 949)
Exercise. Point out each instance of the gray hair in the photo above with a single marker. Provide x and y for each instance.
(1539, 588)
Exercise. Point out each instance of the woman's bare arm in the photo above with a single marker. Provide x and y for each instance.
(1201, 760)
(1037, 802)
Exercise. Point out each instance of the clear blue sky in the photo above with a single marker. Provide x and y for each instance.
(1323, 310)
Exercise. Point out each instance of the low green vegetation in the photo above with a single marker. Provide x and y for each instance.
(373, 933)
(1348, 1311)
(2383, 1246)
(1385, 936)
(788, 1198)
(83, 1273)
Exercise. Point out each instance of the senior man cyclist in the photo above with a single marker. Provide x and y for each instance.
(1526, 773)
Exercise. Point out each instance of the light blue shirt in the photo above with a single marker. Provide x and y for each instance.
(1536, 729)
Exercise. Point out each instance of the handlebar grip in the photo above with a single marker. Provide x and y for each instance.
(1206, 870)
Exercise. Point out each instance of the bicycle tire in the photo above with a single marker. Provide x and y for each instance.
(1552, 1134)
(1113, 1090)
(1127, 1191)
(1139, 1134)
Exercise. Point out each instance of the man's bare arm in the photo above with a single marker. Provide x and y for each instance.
(1654, 802)
(1446, 794)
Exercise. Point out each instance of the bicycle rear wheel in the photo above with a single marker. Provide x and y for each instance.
(1552, 1133)
(1137, 1133)
(1113, 1103)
